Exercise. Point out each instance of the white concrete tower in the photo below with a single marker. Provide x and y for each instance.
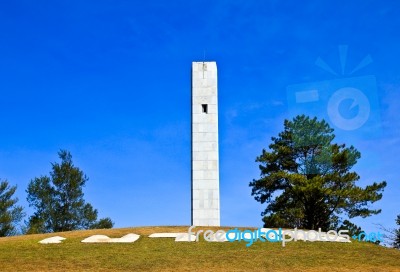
(205, 158)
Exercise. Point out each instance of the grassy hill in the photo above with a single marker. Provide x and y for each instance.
(23, 253)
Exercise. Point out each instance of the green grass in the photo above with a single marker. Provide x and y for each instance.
(23, 253)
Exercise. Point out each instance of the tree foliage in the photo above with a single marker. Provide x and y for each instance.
(58, 199)
(306, 179)
(396, 240)
(353, 229)
(357, 232)
(104, 223)
(10, 213)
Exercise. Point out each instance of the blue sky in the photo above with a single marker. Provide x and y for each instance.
(110, 82)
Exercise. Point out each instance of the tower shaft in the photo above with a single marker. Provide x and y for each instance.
(205, 157)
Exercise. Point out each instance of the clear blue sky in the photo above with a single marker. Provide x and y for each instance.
(110, 82)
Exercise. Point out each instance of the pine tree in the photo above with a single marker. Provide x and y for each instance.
(58, 199)
(306, 179)
(396, 241)
(10, 213)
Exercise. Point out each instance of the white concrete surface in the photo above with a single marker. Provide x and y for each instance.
(129, 238)
(184, 237)
(179, 236)
(96, 239)
(165, 234)
(52, 240)
(205, 157)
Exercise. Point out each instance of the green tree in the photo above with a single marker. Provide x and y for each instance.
(58, 199)
(396, 239)
(356, 231)
(10, 213)
(306, 179)
(104, 223)
(353, 229)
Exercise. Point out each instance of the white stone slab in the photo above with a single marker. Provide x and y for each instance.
(179, 236)
(52, 240)
(184, 237)
(129, 238)
(165, 235)
(96, 239)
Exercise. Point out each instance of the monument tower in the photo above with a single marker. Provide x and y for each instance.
(205, 158)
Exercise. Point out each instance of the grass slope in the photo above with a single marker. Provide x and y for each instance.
(23, 253)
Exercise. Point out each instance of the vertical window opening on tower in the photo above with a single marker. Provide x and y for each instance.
(204, 107)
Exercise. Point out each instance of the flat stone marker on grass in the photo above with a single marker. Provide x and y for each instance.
(129, 238)
(184, 237)
(179, 236)
(96, 239)
(52, 240)
(165, 235)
